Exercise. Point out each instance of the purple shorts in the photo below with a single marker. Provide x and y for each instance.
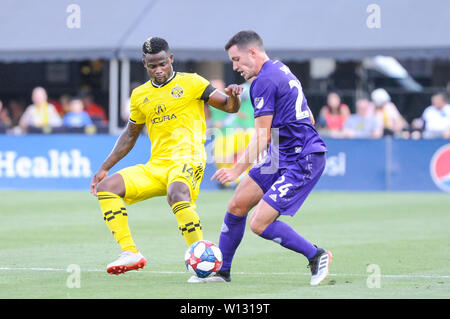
(286, 188)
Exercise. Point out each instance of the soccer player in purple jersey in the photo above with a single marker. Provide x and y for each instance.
(279, 184)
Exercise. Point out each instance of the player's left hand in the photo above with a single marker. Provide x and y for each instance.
(225, 175)
(97, 178)
(233, 90)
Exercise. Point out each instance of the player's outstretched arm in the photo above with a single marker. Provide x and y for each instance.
(123, 146)
(257, 144)
(229, 102)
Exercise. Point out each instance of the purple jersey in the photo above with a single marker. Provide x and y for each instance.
(276, 91)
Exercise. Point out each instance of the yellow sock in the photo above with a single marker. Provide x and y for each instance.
(116, 217)
(188, 222)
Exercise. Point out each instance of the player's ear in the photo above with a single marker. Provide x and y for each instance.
(252, 52)
(171, 58)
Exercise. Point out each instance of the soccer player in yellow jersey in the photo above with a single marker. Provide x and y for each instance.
(171, 106)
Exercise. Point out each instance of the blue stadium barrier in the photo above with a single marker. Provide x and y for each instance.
(67, 162)
(387, 165)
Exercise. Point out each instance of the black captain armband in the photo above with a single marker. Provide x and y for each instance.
(207, 93)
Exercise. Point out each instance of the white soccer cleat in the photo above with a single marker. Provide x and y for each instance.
(127, 261)
(220, 276)
(319, 265)
(195, 279)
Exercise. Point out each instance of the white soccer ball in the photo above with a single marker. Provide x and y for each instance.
(203, 258)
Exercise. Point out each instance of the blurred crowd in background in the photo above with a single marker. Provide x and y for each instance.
(378, 116)
(68, 114)
(374, 117)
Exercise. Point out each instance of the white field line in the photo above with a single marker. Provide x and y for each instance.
(235, 273)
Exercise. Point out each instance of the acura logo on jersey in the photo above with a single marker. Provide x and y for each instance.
(177, 92)
(164, 118)
(259, 101)
(160, 108)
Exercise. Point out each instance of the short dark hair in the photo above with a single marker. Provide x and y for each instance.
(443, 96)
(244, 38)
(155, 45)
(76, 97)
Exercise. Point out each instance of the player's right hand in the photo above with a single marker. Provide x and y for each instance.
(233, 90)
(97, 178)
(226, 175)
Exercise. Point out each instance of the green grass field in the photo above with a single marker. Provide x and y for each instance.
(406, 235)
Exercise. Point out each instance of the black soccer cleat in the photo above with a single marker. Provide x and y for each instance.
(224, 275)
(319, 266)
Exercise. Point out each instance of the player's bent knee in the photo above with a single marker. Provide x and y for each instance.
(237, 207)
(113, 184)
(178, 192)
(256, 226)
(102, 187)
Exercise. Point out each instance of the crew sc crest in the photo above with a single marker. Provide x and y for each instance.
(177, 92)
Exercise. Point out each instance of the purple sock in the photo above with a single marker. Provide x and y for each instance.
(233, 228)
(286, 236)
